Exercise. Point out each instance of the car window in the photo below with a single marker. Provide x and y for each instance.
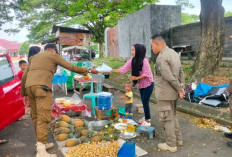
(5, 70)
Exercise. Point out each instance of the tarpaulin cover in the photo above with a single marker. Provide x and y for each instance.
(203, 89)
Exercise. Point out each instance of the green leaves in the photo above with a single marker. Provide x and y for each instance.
(189, 18)
(229, 13)
(40, 15)
(24, 48)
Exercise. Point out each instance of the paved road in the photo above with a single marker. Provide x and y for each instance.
(198, 142)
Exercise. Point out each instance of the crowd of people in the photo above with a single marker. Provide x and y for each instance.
(169, 86)
(168, 82)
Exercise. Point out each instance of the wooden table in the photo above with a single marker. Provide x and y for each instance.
(112, 116)
(82, 83)
(59, 109)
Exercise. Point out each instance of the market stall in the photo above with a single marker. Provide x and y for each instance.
(82, 135)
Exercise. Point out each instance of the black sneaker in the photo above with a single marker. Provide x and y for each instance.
(228, 134)
(229, 144)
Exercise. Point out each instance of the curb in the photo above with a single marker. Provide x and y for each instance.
(188, 107)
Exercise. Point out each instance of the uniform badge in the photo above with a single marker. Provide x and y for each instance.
(159, 66)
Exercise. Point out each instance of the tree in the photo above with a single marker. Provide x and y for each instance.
(24, 48)
(189, 18)
(6, 15)
(228, 13)
(185, 17)
(40, 15)
(5, 12)
(212, 39)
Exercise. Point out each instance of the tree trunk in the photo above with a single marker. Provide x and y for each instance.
(101, 49)
(212, 39)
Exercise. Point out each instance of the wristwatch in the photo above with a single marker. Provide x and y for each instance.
(90, 71)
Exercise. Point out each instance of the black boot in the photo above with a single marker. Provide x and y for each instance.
(229, 144)
(228, 134)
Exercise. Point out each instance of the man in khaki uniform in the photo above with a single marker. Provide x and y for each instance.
(169, 80)
(229, 89)
(37, 85)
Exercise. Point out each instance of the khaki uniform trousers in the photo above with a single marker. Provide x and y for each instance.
(167, 115)
(41, 109)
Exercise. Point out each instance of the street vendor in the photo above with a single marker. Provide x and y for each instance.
(37, 85)
(169, 80)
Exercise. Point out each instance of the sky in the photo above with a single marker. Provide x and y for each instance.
(22, 35)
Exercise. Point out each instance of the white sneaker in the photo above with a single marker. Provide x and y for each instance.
(165, 147)
(141, 120)
(49, 145)
(145, 123)
(41, 151)
(179, 143)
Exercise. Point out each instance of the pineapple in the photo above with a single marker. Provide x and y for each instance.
(66, 118)
(91, 133)
(84, 132)
(62, 130)
(78, 123)
(87, 140)
(62, 124)
(107, 138)
(78, 129)
(62, 137)
(83, 138)
(86, 123)
(71, 142)
(101, 133)
(77, 134)
(96, 139)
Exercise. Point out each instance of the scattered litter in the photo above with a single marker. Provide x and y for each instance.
(221, 128)
(210, 123)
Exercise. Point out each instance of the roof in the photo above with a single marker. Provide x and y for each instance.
(10, 46)
(50, 40)
(2, 48)
(73, 47)
(68, 29)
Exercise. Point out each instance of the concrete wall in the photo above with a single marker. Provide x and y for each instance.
(228, 42)
(190, 34)
(113, 48)
(163, 17)
(134, 28)
(141, 25)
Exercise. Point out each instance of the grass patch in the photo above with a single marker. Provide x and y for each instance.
(115, 63)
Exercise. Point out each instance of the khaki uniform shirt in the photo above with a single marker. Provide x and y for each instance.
(42, 67)
(168, 75)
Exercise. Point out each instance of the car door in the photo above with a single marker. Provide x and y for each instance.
(11, 103)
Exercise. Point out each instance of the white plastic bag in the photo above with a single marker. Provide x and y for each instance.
(104, 68)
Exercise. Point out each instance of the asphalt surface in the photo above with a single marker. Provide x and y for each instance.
(198, 142)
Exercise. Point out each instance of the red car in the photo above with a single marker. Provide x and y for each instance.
(11, 103)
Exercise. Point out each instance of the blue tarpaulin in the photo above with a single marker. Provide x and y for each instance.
(203, 89)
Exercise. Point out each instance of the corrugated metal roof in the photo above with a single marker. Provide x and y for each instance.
(68, 29)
